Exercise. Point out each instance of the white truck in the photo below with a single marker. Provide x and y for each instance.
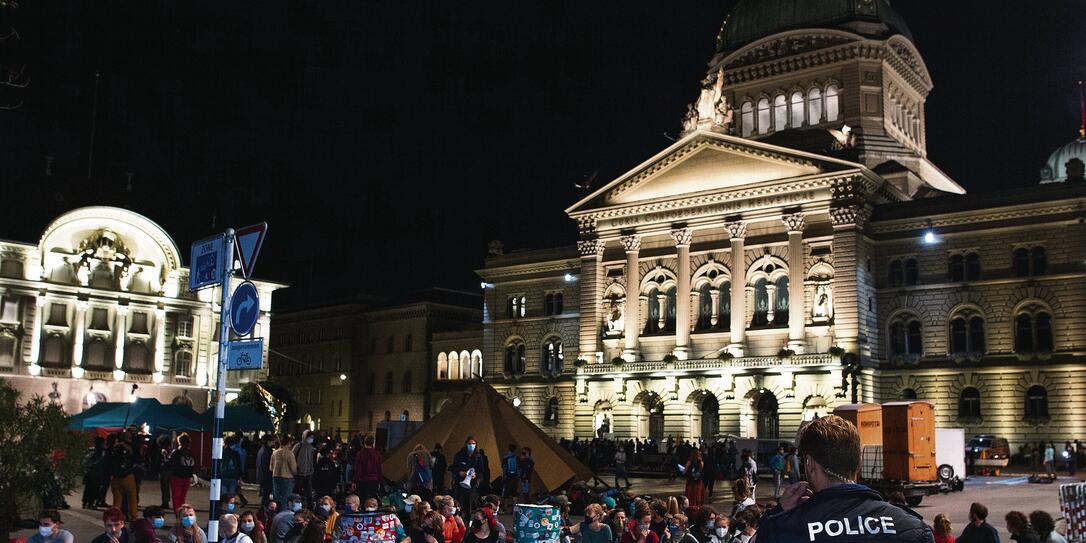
(950, 456)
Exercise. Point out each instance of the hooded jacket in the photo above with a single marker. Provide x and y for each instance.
(849, 513)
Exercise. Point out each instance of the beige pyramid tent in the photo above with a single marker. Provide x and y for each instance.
(494, 423)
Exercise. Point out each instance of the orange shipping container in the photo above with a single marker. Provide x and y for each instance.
(909, 441)
(867, 417)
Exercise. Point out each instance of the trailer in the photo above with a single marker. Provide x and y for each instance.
(950, 456)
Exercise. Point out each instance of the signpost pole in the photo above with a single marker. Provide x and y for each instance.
(220, 401)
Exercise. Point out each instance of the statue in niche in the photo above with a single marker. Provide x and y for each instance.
(823, 303)
(712, 89)
(605, 427)
(616, 317)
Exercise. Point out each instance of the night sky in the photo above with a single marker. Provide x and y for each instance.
(386, 142)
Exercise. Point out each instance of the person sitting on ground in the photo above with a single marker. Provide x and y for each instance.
(298, 523)
(315, 528)
(702, 523)
(229, 531)
(228, 504)
(680, 529)
(741, 496)
(617, 521)
(326, 511)
(145, 530)
(639, 530)
(746, 525)
(370, 505)
(830, 505)
(1018, 526)
(660, 520)
(483, 528)
(267, 514)
(493, 503)
(453, 528)
(978, 530)
(116, 532)
(424, 527)
(594, 529)
(250, 526)
(185, 528)
(283, 521)
(722, 530)
(352, 504)
(1045, 526)
(49, 530)
(941, 528)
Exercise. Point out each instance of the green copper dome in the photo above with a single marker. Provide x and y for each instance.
(1055, 170)
(752, 20)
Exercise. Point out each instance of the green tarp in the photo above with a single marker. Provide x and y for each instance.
(167, 417)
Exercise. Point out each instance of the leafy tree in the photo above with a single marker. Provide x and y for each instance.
(40, 458)
(269, 398)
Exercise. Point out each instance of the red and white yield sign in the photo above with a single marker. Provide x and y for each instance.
(248, 241)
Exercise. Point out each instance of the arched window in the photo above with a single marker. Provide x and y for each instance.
(454, 365)
(972, 267)
(912, 273)
(747, 119)
(957, 268)
(476, 365)
(1036, 403)
(764, 117)
(558, 303)
(1033, 333)
(182, 364)
(652, 322)
(406, 385)
(761, 303)
(976, 335)
(906, 336)
(833, 105)
(705, 307)
(908, 394)
(814, 106)
(1040, 260)
(389, 383)
(780, 113)
(550, 416)
(959, 342)
(780, 310)
(1021, 262)
(514, 358)
(548, 304)
(724, 319)
(552, 356)
(798, 107)
(1042, 330)
(897, 273)
(442, 366)
(969, 404)
(405, 415)
(1023, 333)
(669, 317)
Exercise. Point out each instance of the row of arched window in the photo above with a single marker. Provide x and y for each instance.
(406, 385)
(970, 405)
(1027, 262)
(551, 359)
(517, 306)
(816, 106)
(1032, 334)
(460, 365)
(769, 310)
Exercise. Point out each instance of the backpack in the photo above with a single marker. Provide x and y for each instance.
(510, 466)
(230, 465)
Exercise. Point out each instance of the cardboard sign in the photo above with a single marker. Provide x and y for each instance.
(366, 528)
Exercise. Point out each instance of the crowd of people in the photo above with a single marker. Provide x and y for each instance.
(305, 485)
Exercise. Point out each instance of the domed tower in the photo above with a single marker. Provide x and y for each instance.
(838, 77)
(1066, 163)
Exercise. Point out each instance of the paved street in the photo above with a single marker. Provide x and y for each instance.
(1000, 494)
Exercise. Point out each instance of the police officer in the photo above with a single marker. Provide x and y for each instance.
(829, 506)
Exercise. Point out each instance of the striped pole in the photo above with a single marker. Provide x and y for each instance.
(220, 402)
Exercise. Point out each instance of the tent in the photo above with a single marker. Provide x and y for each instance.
(143, 410)
(494, 423)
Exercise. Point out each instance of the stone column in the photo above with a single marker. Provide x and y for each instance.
(682, 237)
(591, 297)
(35, 337)
(160, 344)
(77, 338)
(797, 254)
(771, 298)
(738, 231)
(661, 305)
(120, 331)
(848, 222)
(632, 245)
(714, 296)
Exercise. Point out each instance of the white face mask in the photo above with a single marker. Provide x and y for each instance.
(371, 509)
(721, 532)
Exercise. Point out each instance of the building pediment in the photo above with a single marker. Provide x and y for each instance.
(708, 162)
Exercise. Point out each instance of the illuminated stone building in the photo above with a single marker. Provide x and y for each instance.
(794, 248)
(99, 310)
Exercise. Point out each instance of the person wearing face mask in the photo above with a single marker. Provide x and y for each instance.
(228, 504)
(326, 510)
(352, 504)
(680, 530)
(453, 527)
(482, 529)
(116, 531)
(49, 530)
(746, 525)
(265, 515)
(594, 528)
(305, 457)
(423, 530)
(492, 503)
(185, 528)
(229, 531)
(830, 505)
(639, 531)
(299, 522)
(466, 469)
(702, 522)
(722, 531)
(316, 527)
(409, 516)
(250, 526)
(283, 521)
(145, 530)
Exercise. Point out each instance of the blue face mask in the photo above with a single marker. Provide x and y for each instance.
(296, 506)
(45, 531)
(408, 507)
(471, 447)
(158, 522)
(188, 520)
(230, 507)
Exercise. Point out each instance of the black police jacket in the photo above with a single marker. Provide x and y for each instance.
(849, 513)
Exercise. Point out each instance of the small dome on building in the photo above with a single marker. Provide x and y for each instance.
(1055, 169)
(752, 20)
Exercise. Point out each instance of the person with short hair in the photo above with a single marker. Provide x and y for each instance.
(493, 504)
(978, 530)
(439, 464)
(231, 467)
(746, 525)
(830, 505)
(283, 522)
(777, 465)
(594, 529)
(263, 465)
(49, 530)
(617, 521)
(525, 467)
(510, 472)
(453, 528)
(1018, 526)
(367, 468)
(1045, 526)
(467, 471)
(116, 531)
(305, 460)
(352, 503)
(941, 528)
(229, 531)
(284, 466)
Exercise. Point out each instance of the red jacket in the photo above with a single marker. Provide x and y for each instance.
(367, 466)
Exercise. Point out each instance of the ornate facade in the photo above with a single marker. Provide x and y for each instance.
(99, 310)
(794, 250)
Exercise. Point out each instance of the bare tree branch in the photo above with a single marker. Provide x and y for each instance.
(16, 79)
(12, 33)
(9, 107)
